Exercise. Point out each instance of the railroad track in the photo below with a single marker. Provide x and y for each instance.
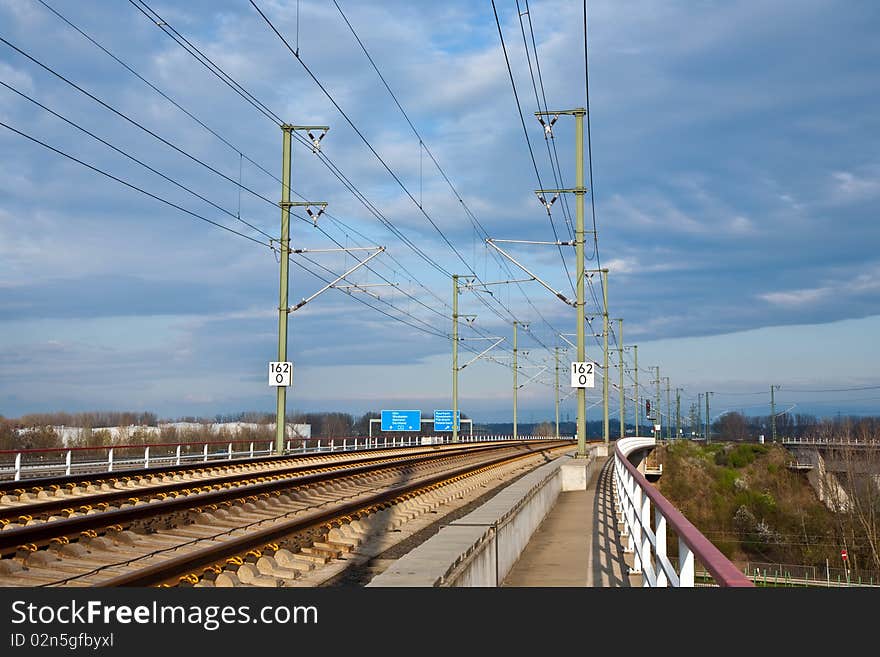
(56, 498)
(267, 527)
(34, 495)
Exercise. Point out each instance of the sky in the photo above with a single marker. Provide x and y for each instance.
(734, 176)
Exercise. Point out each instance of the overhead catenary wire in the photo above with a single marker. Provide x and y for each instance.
(206, 61)
(235, 216)
(423, 146)
(157, 90)
(227, 80)
(201, 124)
(367, 143)
(132, 185)
(334, 169)
(526, 134)
(132, 121)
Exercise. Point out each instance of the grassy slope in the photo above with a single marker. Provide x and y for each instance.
(745, 500)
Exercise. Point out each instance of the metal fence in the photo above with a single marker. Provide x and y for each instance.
(647, 515)
(16, 465)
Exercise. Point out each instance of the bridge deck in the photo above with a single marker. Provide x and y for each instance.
(578, 544)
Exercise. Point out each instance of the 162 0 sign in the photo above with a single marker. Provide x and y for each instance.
(582, 375)
(280, 374)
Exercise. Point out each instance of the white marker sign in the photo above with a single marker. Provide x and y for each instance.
(582, 375)
(280, 374)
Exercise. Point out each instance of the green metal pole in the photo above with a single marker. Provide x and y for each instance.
(659, 433)
(556, 350)
(283, 312)
(636, 368)
(677, 413)
(622, 396)
(708, 425)
(668, 410)
(454, 357)
(699, 413)
(514, 381)
(773, 411)
(605, 347)
(580, 307)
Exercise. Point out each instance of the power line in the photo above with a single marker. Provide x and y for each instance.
(361, 135)
(423, 145)
(133, 122)
(370, 147)
(157, 90)
(131, 186)
(203, 125)
(526, 134)
(206, 61)
(136, 160)
(325, 160)
(548, 140)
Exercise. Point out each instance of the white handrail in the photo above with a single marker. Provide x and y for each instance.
(634, 498)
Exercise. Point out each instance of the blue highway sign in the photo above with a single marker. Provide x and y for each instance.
(443, 420)
(401, 420)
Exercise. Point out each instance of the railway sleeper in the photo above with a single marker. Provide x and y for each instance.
(270, 566)
(312, 555)
(289, 561)
(249, 575)
(333, 548)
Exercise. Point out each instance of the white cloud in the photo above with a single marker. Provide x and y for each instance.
(850, 187)
(840, 289)
(795, 297)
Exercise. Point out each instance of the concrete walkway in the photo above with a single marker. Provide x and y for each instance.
(578, 543)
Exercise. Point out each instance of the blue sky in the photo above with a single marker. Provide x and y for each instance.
(736, 179)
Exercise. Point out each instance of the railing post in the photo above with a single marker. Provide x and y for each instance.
(660, 550)
(648, 573)
(205, 452)
(685, 565)
(67, 461)
(345, 444)
(627, 504)
(110, 460)
(269, 448)
(177, 459)
(147, 456)
(230, 451)
(252, 450)
(635, 534)
(319, 445)
(288, 445)
(332, 444)
(17, 466)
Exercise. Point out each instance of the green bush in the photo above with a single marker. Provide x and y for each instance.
(726, 479)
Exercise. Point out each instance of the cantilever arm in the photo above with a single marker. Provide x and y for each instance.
(528, 381)
(335, 281)
(485, 351)
(556, 293)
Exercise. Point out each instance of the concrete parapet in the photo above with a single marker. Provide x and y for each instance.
(480, 548)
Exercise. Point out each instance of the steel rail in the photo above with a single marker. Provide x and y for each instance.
(15, 538)
(170, 570)
(117, 495)
(7, 485)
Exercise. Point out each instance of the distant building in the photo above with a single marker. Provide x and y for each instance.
(69, 435)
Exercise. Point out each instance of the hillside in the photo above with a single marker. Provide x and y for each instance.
(746, 501)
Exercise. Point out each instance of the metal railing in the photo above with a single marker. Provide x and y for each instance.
(34, 463)
(832, 442)
(645, 532)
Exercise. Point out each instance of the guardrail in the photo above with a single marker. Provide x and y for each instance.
(832, 442)
(112, 458)
(646, 540)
